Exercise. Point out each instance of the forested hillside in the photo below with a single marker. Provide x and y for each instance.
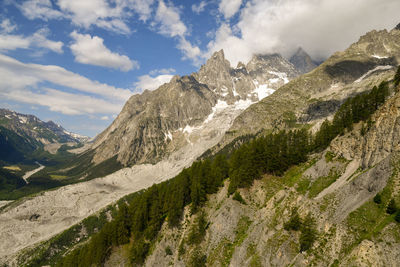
(139, 221)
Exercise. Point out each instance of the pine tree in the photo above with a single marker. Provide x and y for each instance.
(391, 208)
(308, 233)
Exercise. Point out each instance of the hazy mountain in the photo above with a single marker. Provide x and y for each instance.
(302, 61)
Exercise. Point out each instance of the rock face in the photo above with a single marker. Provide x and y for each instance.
(156, 123)
(341, 75)
(302, 61)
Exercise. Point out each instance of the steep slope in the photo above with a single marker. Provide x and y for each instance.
(302, 61)
(321, 213)
(156, 123)
(341, 75)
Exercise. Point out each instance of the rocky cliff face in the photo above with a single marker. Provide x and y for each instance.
(156, 123)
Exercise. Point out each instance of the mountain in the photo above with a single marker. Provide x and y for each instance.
(302, 61)
(23, 134)
(43, 132)
(340, 76)
(154, 124)
(334, 207)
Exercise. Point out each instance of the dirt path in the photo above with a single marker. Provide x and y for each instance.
(32, 172)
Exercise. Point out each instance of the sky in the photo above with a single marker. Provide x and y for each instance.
(77, 62)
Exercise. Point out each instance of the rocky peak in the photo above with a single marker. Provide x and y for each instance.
(302, 61)
(397, 27)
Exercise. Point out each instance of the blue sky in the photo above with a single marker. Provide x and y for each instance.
(76, 62)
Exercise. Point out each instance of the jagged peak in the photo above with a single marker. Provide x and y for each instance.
(240, 65)
(301, 52)
(219, 55)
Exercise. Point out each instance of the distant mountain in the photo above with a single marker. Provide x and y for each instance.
(302, 61)
(21, 135)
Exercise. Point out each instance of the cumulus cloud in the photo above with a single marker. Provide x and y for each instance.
(109, 15)
(170, 24)
(229, 7)
(320, 27)
(169, 20)
(38, 40)
(39, 9)
(153, 81)
(199, 7)
(91, 50)
(24, 83)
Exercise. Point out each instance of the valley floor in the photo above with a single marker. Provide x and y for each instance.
(28, 221)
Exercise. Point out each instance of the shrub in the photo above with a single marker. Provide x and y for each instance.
(294, 222)
(168, 251)
(378, 199)
(391, 208)
(238, 197)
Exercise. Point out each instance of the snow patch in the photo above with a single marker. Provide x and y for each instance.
(8, 117)
(243, 104)
(219, 106)
(263, 91)
(22, 119)
(386, 67)
(380, 57)
(281, 75)
(168, 136)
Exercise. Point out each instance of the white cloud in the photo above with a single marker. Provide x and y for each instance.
(40, 9)
(162, 71)
(7, 27)
(23, 82)
(38, 39)
(109, 15)
(199, 8)
(169, 20)
(91, 50)
(97, 12)
(170, 24)
(229, 7)
(141, 7)
(320, 27)
(147, 82)
(104, 118)
(190, 52)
